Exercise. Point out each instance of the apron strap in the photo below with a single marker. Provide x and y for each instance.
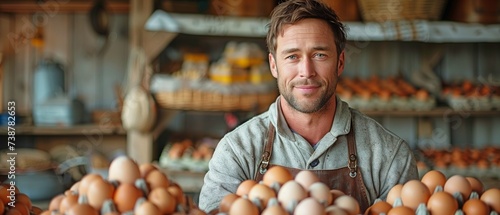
(353, 159)
(268, 149)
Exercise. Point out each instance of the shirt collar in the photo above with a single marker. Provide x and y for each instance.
(341, 123)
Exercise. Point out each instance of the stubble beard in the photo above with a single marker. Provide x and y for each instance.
(316, 105)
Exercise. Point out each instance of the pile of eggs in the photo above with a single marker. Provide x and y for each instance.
(436, 194)
(279, 193)
(129, 189)
(15, 202)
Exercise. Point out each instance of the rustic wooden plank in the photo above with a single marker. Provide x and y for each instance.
(4, 45)
(24, 63)
(86, 76)
(29, 6)
(459, 63)
(114, 66)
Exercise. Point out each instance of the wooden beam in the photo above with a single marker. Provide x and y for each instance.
(55, 7)
(139, 144)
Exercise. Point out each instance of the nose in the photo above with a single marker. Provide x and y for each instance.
(306, 68)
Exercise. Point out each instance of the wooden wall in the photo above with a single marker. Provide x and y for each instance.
(69, 39)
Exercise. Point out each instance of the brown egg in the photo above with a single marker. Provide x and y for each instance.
(413, 193)
(277, 174)
(274, 210)
(196, 211)
(309, 206)
(335, 210)
(14, 211)
(261, 192)
(336, 193)
(82, 209)
(442, 203)
(491, 197)
(24, 199)
(55, 202)
(321, 193)
(35, 210)
(394, 194)
(242, 206)
(458, 184)
(75, 186)
(245, 187)
(124, 170)
(156, 178)
(475, 207)
(401, 210)
(476, 185)
(125, 197)
(99, 191)
(21, 208)
(163, 200)
(291, 191)
(147, 208)
(69, 200)
(145, 168)
(176, 191)
(348, 203)
(378, 208)
(226, 202)
(4, 194)
(306, 178)
(432, 179)
(86, 181)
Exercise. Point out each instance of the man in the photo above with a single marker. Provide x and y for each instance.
(308, 126)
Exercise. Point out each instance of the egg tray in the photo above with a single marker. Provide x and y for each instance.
(423, 210)
(478, 103)
(185, 162)
(394, 103)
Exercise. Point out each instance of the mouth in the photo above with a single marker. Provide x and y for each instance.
(307, 89)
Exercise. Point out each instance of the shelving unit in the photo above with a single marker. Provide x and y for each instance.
(417, 30)
(66, 130)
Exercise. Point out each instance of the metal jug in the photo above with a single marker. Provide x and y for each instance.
(48, 81)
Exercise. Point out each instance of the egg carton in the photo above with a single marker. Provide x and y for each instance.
(491, 172)
(423, 210)
(471, 103)
(394, 103)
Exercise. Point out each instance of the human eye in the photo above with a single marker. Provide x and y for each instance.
(291, 57)
(320, 55)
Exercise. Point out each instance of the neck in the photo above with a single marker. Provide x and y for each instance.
(311, 126)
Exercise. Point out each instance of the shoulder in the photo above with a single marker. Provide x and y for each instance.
(252, 129)
(369, 128)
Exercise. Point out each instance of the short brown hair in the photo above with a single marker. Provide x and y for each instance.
(292, 11)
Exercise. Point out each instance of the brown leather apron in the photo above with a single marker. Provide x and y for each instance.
(347, 179)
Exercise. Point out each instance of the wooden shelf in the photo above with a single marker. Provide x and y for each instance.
(413, 30)
(66, 130)
(54, 7)
(436, 112)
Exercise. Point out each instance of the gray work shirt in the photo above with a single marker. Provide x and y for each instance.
(383, 158)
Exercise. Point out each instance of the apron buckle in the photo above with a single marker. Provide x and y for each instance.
(264, 163)
(263, 167)
(352, 165)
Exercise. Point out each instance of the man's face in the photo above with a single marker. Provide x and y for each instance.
(306, 64)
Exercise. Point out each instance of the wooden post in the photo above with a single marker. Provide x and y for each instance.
(140, 145)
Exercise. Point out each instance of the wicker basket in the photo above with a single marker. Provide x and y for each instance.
(393, 10)
(187, 99)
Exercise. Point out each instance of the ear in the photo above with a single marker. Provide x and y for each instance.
(272, 66)
(340, 64)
